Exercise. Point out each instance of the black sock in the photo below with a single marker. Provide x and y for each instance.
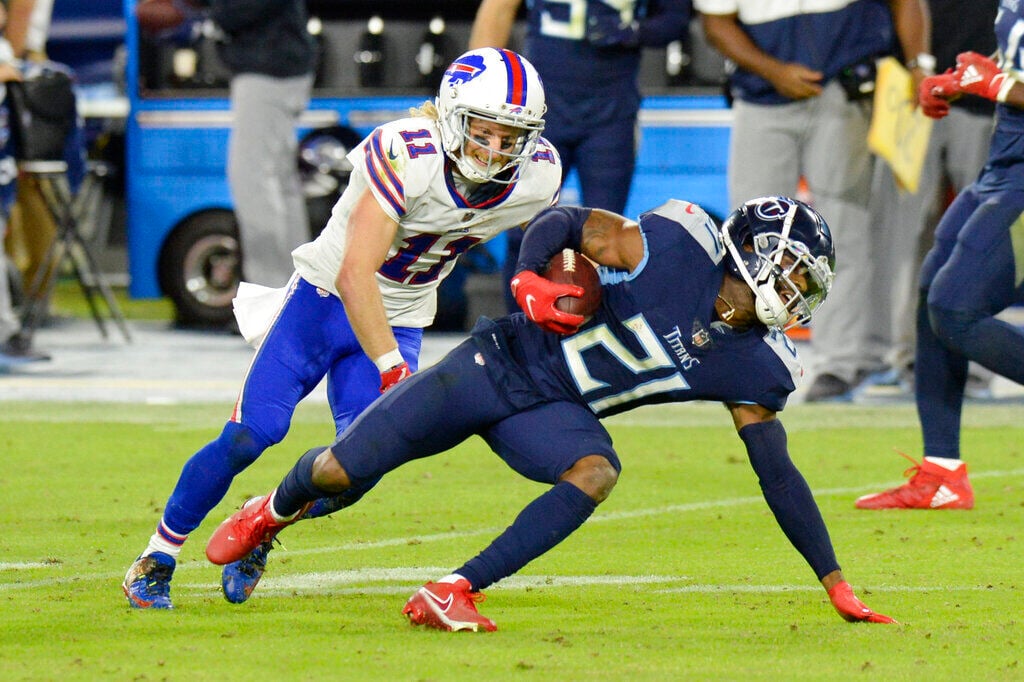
(297, 487)
(544, 523)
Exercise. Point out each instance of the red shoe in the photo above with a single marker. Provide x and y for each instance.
(930, 487)
(447, 606)
(244, 531)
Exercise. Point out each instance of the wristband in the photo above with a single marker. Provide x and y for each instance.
(923, 61)
(1004, 89)
(388, 360)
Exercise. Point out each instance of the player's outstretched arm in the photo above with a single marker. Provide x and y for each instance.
(790, 499)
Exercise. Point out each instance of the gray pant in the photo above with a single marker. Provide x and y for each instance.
(9, 323)
(957, 151)
(824, 140)
(263, 173)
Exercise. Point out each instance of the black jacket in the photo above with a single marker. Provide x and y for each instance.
(268, 37)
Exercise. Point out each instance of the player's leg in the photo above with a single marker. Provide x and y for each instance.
(559, 443)
(289, 364)
(940, 373)
(980, 280)
(430, 412)
(353, 383)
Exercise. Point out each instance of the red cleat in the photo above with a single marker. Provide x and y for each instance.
(447, 606)
(931, 486)
(244, 531)
(852, 609)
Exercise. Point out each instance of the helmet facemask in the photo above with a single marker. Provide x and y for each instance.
(495, 86)
(768, 262)
(499, 161)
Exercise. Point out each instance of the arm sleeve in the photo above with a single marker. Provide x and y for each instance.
(788, 495)
(551, 231)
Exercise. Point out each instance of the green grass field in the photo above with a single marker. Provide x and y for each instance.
(681, 575)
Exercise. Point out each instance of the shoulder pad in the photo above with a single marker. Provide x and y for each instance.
(697, 223)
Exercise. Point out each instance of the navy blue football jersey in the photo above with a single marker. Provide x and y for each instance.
(605, 78)
(656, 338)
(1004, 170)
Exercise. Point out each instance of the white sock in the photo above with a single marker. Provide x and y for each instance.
(273, 513)
(158, 543)
(947, 463)
(453, 578)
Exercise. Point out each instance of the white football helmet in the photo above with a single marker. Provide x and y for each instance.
(494, 85)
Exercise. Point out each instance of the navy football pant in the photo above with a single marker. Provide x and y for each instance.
(969, 276)
(310, 339)
(435, 410)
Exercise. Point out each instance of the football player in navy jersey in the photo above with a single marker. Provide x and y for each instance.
(456, 172)
(972, 273)
(588, 55)
(689, 311)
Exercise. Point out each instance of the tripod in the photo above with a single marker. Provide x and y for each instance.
(69, 244)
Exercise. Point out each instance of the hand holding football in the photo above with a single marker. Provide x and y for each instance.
(572, 267)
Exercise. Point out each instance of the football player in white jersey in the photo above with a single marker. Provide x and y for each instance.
(458, 171)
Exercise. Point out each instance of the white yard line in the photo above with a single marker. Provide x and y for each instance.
(415, 575)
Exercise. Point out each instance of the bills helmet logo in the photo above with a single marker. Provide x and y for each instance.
(774, 208)
(465, 69)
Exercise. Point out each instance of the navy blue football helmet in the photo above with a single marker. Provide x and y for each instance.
(772, 238)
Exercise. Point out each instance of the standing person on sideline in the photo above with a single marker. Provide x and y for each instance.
(957, 150)
(31, 227)
(423, 190)
(588, 55)
(535, 388)
(972, 273)
(272, 57)
(802, 108)
(15, 347)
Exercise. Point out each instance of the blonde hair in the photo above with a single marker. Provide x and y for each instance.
(425, 110)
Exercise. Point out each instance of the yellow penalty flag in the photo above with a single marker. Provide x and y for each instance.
(899, 131)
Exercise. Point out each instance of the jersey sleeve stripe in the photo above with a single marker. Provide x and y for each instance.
(516, 93)
(383, 176)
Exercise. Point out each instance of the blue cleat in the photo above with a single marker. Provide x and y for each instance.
(240, 578)
(148, 582)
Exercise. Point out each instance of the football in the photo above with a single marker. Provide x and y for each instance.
(155, 16)
(572, 267)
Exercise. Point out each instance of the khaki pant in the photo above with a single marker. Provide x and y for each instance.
(31, 230)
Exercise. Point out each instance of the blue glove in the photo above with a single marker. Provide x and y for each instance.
(607, 30)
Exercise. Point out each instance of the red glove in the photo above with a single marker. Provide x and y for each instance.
(934, 94)
(851, 608)
(390, 377)
(978, 75)
(537, 296)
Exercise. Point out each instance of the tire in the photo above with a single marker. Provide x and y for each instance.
(200, 262)
(324, 171)
(199, 268)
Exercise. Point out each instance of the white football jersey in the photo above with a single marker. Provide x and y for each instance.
(411, 177)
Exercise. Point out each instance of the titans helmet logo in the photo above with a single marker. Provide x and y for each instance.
(465, 69)
(774, 208)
